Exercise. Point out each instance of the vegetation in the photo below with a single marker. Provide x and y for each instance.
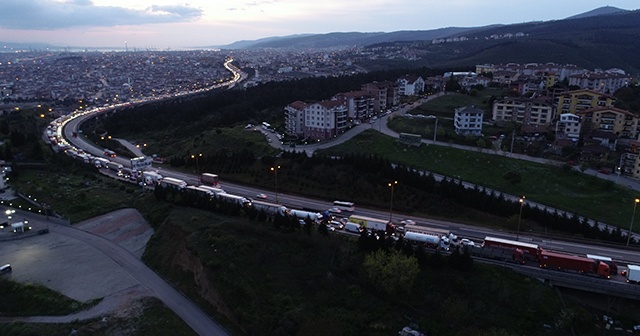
(304, 281)
(32, 299)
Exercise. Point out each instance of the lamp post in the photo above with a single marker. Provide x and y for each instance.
(635, 203)
(274, 169)
(193, 156)
(391, 184)
(521, 200)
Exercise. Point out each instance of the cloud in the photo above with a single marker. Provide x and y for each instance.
(52, 15)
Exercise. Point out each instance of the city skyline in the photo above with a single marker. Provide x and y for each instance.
(165, 25)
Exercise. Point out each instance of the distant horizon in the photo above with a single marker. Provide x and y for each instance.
(201, 24)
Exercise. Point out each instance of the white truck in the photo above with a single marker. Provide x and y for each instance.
(151, 178)
(373, 224)
(301, 214)
(173, 183)
(431, 240)
(100, 162)
(234, 199)
(633, 274)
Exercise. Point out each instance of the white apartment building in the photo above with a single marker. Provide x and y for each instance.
(410, 85)
(600, 81)
(294, 118)
(568, 124)
(359, 104)
(468, 120)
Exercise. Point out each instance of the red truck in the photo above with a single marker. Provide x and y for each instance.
(529, 251)
(583, 265)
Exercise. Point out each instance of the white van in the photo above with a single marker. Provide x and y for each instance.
(5, 269)
(353, 227)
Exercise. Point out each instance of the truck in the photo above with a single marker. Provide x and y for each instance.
(114, 166)
(632, 274)
(209, 179)
(269, 208)
(100, 162)
(607, 260)
(243, 201)
(151, 178)
(373, 224)
(582, 265)
(431, 240)
(301, 214)
(173, 183)
(199, 191)
(212, 189)
(497, 252)
(530, 251)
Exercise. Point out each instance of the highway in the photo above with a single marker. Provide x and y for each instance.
(423, 224)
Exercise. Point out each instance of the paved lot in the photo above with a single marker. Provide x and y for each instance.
(74, 268)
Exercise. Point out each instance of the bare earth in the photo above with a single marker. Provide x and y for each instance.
(77, 269)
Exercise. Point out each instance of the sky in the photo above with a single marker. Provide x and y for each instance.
(169, 24)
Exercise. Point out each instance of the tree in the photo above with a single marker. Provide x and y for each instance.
(390, 272)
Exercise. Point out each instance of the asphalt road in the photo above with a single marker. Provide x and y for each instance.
(71, 264)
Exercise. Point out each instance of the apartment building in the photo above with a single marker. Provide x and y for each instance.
(523, 111)
(601, 81)
(385, 94)
(568, 126)
(324, 120)
(583, 99)
(410, 85)
(359, 104)
(468, 120)
(620, 122)
(294, 118)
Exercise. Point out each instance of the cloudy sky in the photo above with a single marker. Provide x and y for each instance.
(171, 24)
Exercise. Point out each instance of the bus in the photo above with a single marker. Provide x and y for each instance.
(344, 206)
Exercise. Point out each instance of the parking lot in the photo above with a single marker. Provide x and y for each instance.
(75, 268)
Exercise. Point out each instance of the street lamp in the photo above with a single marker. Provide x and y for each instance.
(391, 184)
(435, 130)
(275, 171)
(632, 215)
(521, 200)
(193, 156)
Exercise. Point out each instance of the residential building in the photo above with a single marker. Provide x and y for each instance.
(568, 126)
(385, 94)
(620, 122)
(578, 100)
(601, 81)
(324, 120)
(468, 120)
(359, 104)
(524, 111)
(294, 118)
(410, 85)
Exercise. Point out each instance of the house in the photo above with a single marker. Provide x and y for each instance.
(468, 120)
(568, 126)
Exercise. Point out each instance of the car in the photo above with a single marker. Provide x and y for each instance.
(467, 242)
(334, 210)
(408, 222)
(336, 225)
(261, 196)
(5, 269)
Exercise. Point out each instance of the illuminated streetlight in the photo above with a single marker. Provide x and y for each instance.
(521, 200)
(193, 156)
(391, 184)
(275, 171)
(635, 202)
